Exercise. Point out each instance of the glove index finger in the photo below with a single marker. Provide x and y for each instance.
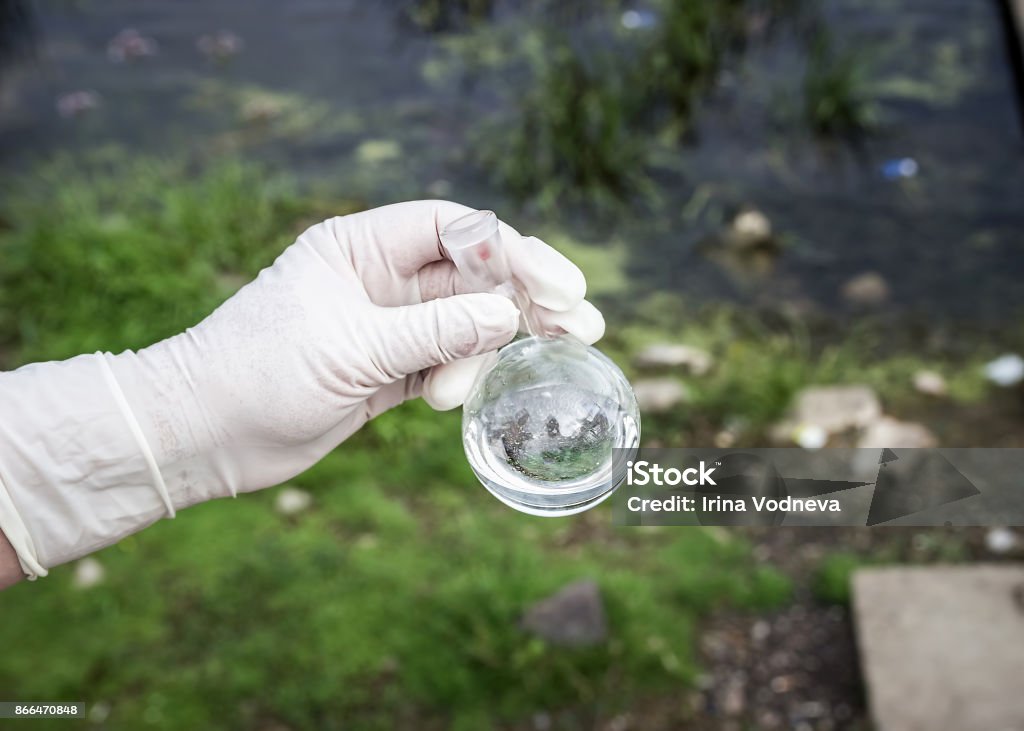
(551, 280)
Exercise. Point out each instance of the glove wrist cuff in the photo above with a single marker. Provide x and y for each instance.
(136, 432)
(158, 394)
(76, 478)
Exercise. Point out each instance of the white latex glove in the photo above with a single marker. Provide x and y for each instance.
(360, 314)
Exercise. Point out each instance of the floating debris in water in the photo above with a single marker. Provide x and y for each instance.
(373, 152)
(77, 103)
(638, 19)
(869, 288)
(1006, 370)
(261, 108)
(440, 188)
(221, 45)
(129, 45)
(900, 168)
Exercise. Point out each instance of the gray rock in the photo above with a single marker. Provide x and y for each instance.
(889, 433)
(930, 383)
(869, 288)
(675, 355)
(572, 617)
(941, 647)
(836, 408)
(655, 395)
(88, 573)
(1000, 541)
(292, 501)
(749, 229)
(733, 698)
(1006, 370)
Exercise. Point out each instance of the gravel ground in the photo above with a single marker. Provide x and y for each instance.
(797, 668)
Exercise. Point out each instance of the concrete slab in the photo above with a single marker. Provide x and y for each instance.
(942, 648)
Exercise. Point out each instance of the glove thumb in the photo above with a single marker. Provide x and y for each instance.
(415, 337)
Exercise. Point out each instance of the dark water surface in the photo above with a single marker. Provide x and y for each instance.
(352, 99)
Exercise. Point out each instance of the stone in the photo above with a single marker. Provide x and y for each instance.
(941, 646)
(869, 288)
(1000, 540)
(675, 355)
(810, 436)
(656, 395)
(76, 103)
(572, 617)
(88, 573)
(733, 698)
(749, 229)
(836, 408)
(1006, 370)
(930, 383)
(292, 501)
(760, 631)
(889, 433)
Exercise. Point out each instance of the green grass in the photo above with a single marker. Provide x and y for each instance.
(108, 254)
(831, 582)
(394, 601)
(759, 368)
(396, 598)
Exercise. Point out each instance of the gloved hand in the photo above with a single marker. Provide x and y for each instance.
(360, 314)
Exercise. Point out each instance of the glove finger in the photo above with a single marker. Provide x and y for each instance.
(389, 396)
(440, 279)
(551, 280)
(405, 340)
(408, 234)
(447, 386)
(584, 321)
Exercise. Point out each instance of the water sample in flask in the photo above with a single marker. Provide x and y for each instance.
(549, 427)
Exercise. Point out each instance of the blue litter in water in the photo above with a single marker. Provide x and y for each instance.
(899, 168)
(638, 19)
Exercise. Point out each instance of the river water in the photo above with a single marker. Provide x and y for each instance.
(355, 97)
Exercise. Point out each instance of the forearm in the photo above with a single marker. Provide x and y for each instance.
(10, 569)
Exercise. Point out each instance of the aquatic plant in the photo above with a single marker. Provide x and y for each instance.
(572, 138)
(687, 49)
(445, 15)
(836, 99)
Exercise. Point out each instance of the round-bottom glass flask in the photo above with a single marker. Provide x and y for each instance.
(549, 427)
